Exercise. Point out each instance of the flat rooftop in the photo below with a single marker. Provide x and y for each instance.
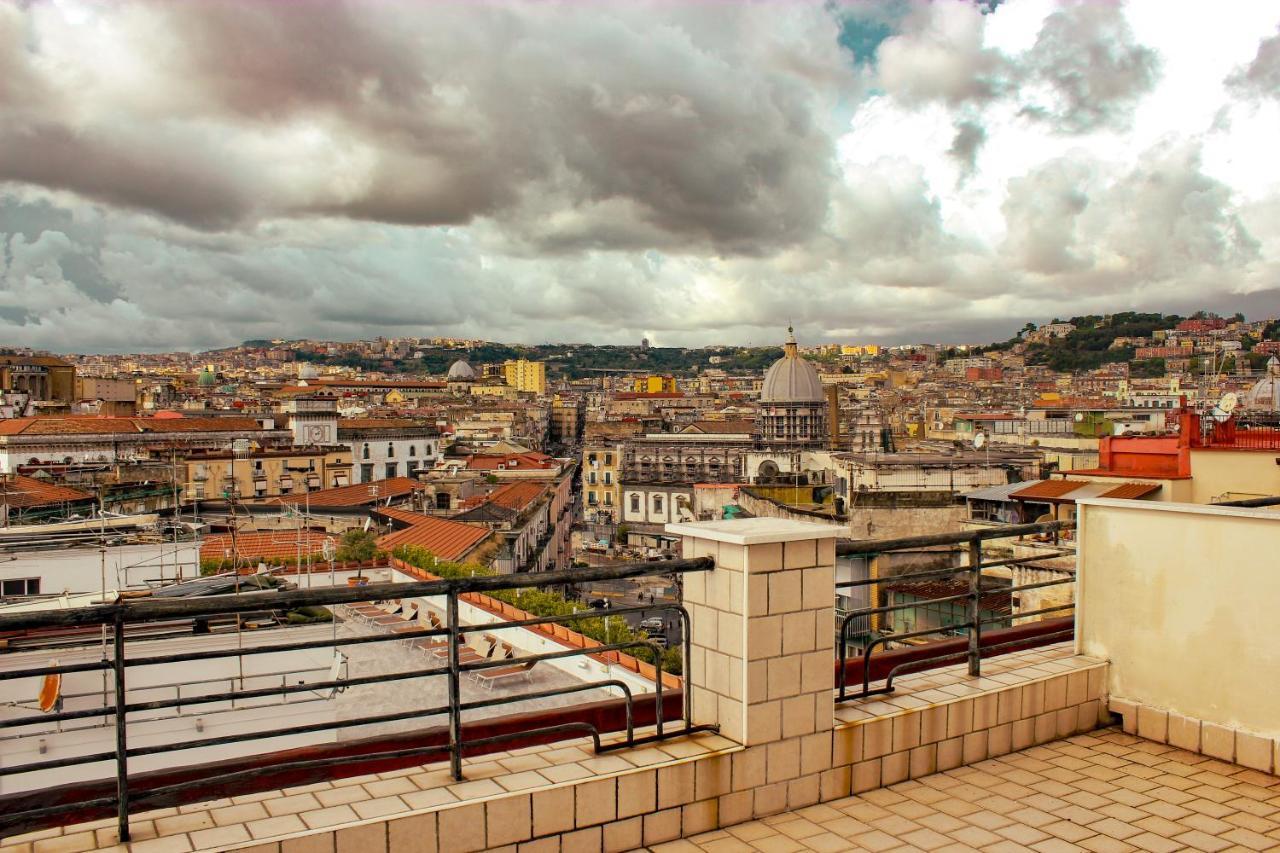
(1104, 791)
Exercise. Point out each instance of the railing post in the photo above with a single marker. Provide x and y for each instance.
(455, 689)
(122, 756)
(975, 608)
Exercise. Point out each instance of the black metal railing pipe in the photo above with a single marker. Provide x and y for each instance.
(908, 543)
(972, 597)
(117, 709)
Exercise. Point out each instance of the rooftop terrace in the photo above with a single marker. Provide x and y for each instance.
(1153, 727)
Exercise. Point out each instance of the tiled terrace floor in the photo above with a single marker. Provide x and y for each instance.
(1105, 791)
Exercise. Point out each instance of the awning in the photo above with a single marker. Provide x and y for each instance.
(1070, 491)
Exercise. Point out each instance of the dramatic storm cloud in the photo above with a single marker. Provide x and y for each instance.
(188, 175)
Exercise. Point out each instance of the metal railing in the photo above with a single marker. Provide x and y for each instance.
(971, 599)
(117, 708)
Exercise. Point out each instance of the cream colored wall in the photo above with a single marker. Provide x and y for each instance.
(1234, 474)
(1181, 599)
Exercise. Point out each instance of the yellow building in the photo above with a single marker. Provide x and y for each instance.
(501, 391)
(523, 375)
(654, 385)
(601, 492)
(860, 349)
(266, 473)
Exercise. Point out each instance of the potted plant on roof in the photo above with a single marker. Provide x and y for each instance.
(359, 546)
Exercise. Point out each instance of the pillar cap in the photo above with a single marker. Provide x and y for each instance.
(757, 531)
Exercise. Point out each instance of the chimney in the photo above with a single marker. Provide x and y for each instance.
(833, 416)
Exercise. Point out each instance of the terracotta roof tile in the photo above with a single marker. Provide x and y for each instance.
(517, 496)
(264, 545)
(517, 461)
(21, 492)
(355, 495)
(448, 540)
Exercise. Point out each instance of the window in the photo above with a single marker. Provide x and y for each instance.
(657, 503)
(391, 469)
(591, 478)
(591, 457)
(365, 452)
(413, 451)
(366, 473)
(391, 450)
(635, 503)
(608, 498)
(608, 478)
(21, 586)
(591, 498)
(608, 459)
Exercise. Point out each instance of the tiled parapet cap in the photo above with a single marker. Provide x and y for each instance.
(756, 531)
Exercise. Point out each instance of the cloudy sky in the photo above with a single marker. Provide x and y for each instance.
(189, 175)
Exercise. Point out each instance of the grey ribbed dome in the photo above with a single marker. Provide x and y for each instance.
(792, 379)
(460, 370)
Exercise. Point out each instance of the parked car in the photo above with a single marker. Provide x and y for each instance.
(653, 624)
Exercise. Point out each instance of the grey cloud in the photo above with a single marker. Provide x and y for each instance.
(1041, 213)
(1164, 223)
(706, 134)
(1087, 53)
(966, 144)
(940, 56)
(1085, 71)
(1262, 75)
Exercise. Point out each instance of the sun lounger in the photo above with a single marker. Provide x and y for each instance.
(490, 678)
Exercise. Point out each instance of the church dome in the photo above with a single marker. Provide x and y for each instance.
(460, 371)
(1265, 393)
(792, 379)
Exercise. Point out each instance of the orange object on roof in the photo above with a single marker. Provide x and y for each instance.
(448, 540)
(1047, 490)
(1131, 491)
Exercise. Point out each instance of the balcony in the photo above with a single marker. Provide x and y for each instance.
(1108, 723)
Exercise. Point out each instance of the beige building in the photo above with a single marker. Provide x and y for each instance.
(266, 473)
(524, 375)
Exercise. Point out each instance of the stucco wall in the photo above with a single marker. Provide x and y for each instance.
(1181, 600)
(1233, 474)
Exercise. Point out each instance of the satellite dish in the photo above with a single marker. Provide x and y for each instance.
(1225, 407)
(979, 441)
(1079, 417)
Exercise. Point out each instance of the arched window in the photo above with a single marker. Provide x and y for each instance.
(413, 451)
(391, 449)
(365, 452)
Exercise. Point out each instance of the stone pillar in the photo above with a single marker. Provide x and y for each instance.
(763, 644)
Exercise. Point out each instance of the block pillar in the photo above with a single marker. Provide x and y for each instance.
(763, 642)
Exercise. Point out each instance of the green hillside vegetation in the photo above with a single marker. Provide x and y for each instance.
(1089, 346)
